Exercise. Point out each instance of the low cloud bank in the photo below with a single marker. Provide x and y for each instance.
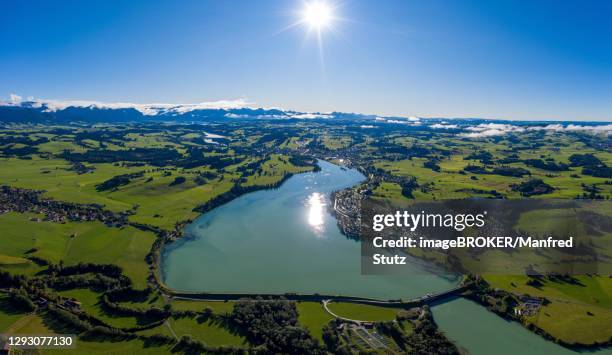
(498, 129)
(444, 126)
(412, 120)
(145, 109)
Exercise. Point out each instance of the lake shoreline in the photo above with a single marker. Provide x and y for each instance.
(342, 178)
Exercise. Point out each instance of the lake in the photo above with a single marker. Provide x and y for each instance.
(475, 329)
(285, 240)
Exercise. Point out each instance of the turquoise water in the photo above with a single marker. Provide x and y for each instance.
(283, 240)
(479, 331)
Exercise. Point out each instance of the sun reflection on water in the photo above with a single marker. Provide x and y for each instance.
(316, 211)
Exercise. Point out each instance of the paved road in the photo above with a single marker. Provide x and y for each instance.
(326, 302)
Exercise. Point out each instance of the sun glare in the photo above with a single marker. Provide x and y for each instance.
(317, 15)
(316, 211)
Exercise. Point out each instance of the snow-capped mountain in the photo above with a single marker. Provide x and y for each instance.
(17, 109)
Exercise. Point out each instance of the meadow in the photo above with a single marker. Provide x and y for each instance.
(72, 243)
(578, 312)
(158, 173)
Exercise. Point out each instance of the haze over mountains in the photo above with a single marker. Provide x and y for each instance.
(36, 110)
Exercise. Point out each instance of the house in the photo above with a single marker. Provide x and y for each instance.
(71, 303)
(41, 302)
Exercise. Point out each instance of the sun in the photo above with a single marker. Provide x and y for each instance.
(317, 15)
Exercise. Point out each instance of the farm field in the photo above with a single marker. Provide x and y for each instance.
(313, 317)
(363, 312)
(122, 191)
(74, 242)
(208, 331)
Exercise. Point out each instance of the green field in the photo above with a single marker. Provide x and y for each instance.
(74, 242)
(155, 201)
(313, 317)
(273, 170)
(577, 313)
(8, 315)
(363, 312)
(574, 322)
(35, 324)
(218, 307)
(162, 191)
(90, 303)
(210, 332)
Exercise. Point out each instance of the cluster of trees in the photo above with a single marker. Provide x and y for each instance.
(331, 338)
(92, 281)
(69, 318)
(510, 171)
(86, 275)
(119, 180)
(475, 169)
(591, 165)
(14, 138)
(8, 280)
(272, 325)
(217, 162)
(178, 180)
(20, 152)
(152, 316)
(408, 186)
(512, 158)
(499, 170)
(90, 328)
(152, 156)
(549, 164)
(125, 294)
(109, 270)
(204, 177)
(302, 160)
(484, 157)
(427, 339)
(591, 192)
(24, 290)
(19, 299)
(432, 164)
(533, 187)
(25, 148)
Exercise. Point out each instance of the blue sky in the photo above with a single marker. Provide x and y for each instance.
(494, 59)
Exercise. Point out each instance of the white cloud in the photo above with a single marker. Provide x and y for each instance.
(14, 98)
(310, 115)
(605, 129)
(444, 126)
(414, 121)
(233, 115)
(498, 129)
(145, 109)
(213, 135)
(490, 130)
(366, 126)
